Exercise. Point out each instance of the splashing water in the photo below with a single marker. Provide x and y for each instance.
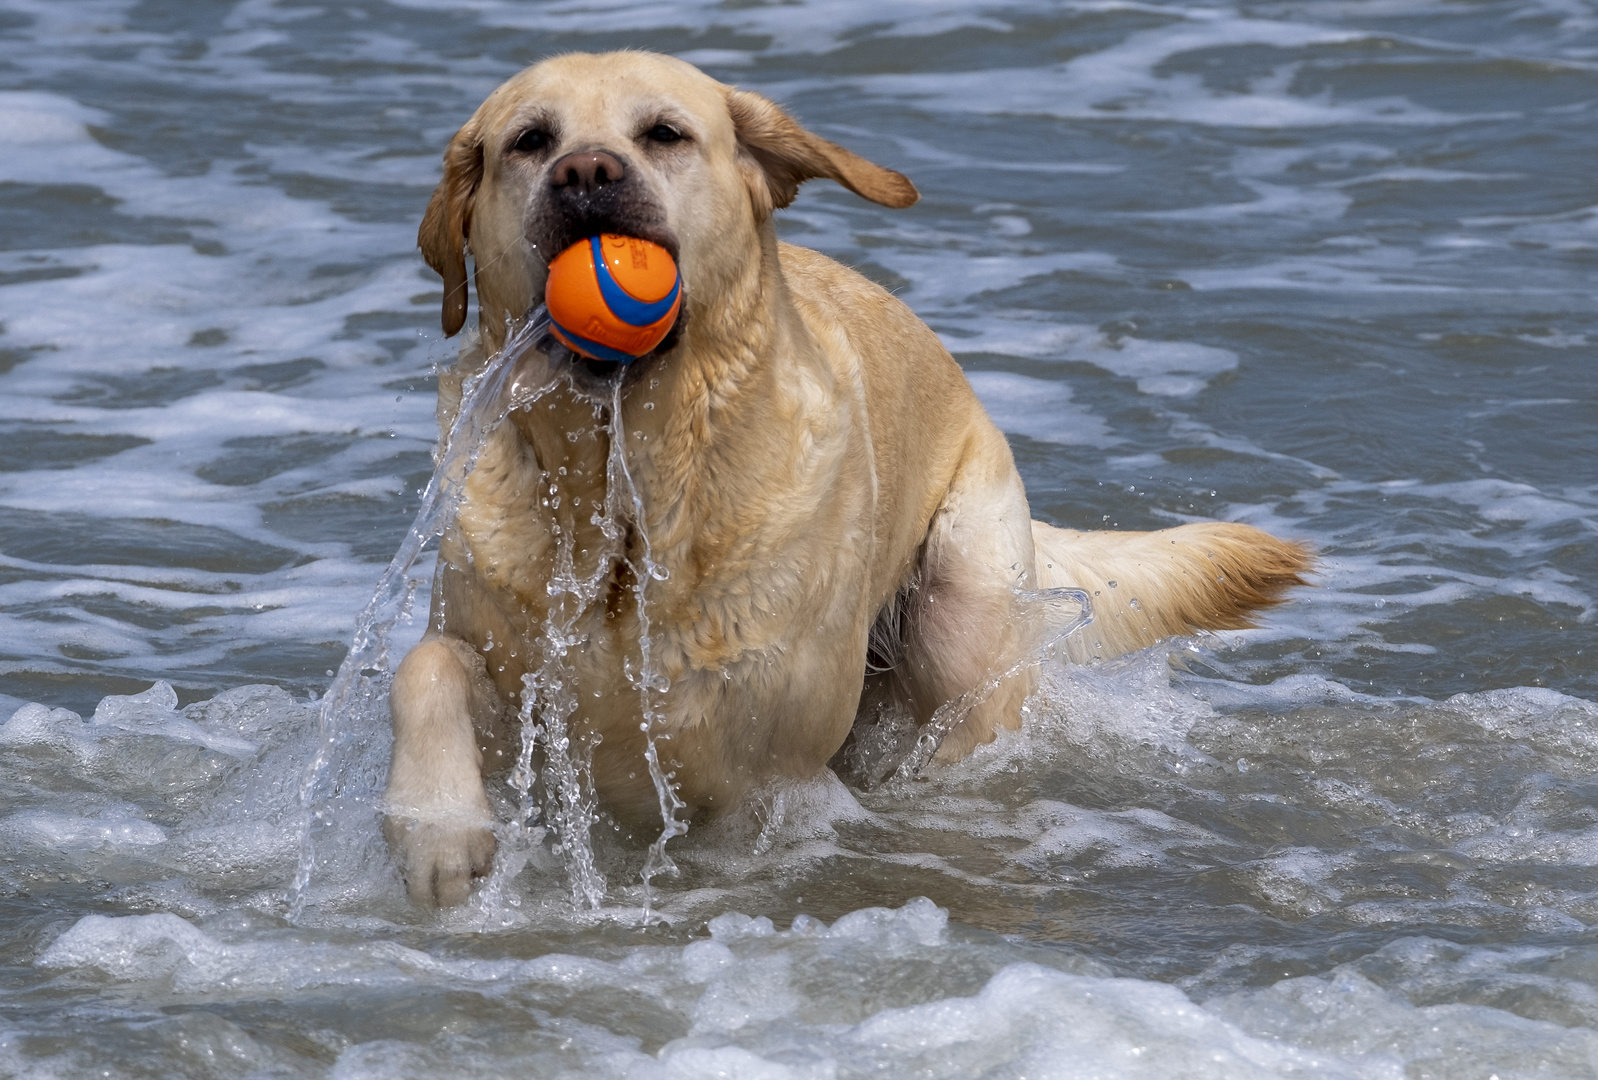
(504, 384)
(648, 680)
(891, 748)
(1044, 608)
(553, 772)
(550, 699)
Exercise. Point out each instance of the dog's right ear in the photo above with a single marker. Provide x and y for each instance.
(448, 220)
(777, 155)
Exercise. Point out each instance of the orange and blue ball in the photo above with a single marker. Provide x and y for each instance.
(613, 297)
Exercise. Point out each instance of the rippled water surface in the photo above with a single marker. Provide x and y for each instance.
(1324, 267)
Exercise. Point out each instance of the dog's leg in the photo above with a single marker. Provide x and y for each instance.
(1145, 586)
(438, 815)
(961, 628)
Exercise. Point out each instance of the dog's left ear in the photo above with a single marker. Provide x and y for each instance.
(448, 220)
(780, 155)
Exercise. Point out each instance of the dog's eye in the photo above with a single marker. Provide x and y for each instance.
(532, 140)
(663, 133)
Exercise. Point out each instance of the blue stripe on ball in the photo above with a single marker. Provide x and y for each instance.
(594, 348)
(622, 304)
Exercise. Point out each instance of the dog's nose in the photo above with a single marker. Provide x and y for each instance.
(586, 171)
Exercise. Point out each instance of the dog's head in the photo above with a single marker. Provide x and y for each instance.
(632, 143)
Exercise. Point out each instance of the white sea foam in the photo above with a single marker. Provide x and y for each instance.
(749, 989)
(1161, 368)
(153, 305)
(1037, 408)
(816, 27)
(819, 1000)
(1124, 81)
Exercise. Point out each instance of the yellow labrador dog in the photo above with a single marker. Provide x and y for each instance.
(809, 463)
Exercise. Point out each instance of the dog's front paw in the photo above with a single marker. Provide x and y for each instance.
(439, 857)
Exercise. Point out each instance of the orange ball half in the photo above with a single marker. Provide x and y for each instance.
(613, 297)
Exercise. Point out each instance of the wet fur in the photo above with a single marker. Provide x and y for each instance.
(818, 478)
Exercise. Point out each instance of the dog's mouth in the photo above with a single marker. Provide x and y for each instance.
(596, 375)
(604, 215)
(604, 371)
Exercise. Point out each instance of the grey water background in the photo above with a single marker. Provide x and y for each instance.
(1323, 267)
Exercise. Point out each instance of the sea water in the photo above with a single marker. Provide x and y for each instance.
(1322, 267)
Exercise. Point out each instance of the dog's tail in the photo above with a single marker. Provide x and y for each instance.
(1145, 586)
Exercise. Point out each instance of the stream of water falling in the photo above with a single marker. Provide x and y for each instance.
(549, 701)
(550, 762)
(488, 397)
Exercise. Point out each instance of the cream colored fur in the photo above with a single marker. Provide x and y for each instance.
(807, 454)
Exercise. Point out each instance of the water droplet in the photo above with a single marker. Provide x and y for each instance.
(1113, 584)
